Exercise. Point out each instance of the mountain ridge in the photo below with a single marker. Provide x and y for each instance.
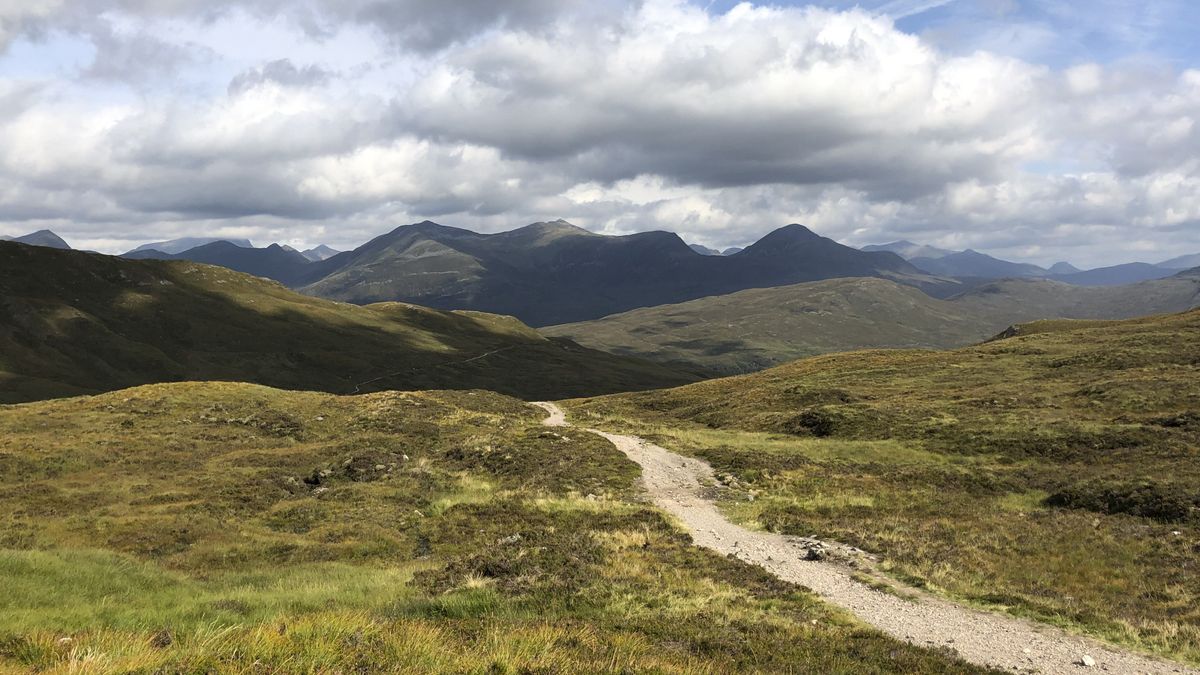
(75, 323)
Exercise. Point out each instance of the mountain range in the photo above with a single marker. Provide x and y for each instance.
(76, 323)
(973, 264)
(554, 272)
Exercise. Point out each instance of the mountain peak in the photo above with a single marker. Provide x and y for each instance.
(785, 237)
(43, 238)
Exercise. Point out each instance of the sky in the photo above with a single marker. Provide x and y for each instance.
(1037, 130)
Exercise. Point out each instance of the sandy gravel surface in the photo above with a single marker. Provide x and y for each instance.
(679, 486)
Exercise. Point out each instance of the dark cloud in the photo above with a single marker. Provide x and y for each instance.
(282, 72)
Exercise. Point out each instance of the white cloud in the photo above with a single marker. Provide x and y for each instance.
(658, 115)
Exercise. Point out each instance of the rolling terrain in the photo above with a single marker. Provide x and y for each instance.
(754, 329)
(1052, 474)
(233, 528)
(77, 323)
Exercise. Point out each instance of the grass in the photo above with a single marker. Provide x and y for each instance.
(754, 329)
(1053, 474)
(221, 527)
(78, 323)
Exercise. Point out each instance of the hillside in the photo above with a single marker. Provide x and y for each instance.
(1052, 474)
(750, 330)
(975, 264)
(1116, 275)
(74, 323)
(549, 273)
(273, 262)
(204, 527)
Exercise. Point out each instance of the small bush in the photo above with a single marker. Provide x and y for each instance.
(1159, 501)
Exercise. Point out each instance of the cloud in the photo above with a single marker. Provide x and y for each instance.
(281, 72)
(628, 117)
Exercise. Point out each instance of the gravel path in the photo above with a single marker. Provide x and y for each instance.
(678, 485)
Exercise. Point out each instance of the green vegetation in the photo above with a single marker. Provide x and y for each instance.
(1054, 474)
(224, 527)
(751, 330)
(74, 323)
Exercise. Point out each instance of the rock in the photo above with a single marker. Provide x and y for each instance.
(510, 539)
(320, 418)
(320, 491)
(162, 639)
(64, 641)
(380, 467)
(1087, 661)
(815, 553)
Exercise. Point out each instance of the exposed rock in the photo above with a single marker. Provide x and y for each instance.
(1087, 661)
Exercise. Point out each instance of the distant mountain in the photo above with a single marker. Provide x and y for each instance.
(971, 263)
(754, 329)
(273, 262)
(78, 323)
(908, 250)
(40, 238)
(549, 273)
(1183, 262)
(732, 250)
(1117, 275)
(704, 250)
(1063, 268)
(174, 246)
(321, 252)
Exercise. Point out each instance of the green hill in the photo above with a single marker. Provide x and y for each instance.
(233, 528)
(74, 323)
(750, 330)
(1054, 473)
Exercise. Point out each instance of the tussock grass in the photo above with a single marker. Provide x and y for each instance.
(1053, 474)
(230, 528)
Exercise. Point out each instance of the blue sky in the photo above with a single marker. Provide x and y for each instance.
(1038, 130)
(1057, 33)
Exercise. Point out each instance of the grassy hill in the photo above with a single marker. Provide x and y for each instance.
(73, 323)
(750, 330)
(1055, 473)
(225, 527)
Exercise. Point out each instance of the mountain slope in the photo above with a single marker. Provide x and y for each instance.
(40, 238)
(321, 252)
(273, 262)
(1116, 275)
(1183, 262)
(174, 246)
(975, 264)
(555, 272)
(908, 250)
(73, 323)
(754, 329)
(1013, 474)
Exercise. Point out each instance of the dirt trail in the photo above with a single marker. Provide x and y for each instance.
(678, 484)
